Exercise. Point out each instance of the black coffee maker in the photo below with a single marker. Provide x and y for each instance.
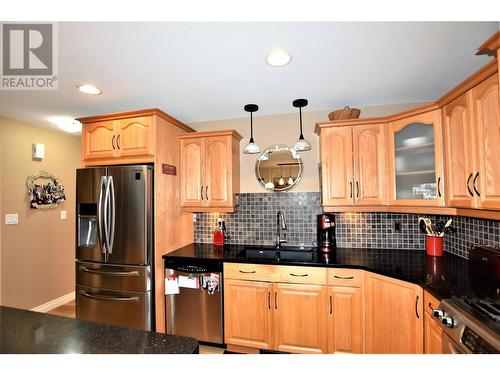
(326, 233)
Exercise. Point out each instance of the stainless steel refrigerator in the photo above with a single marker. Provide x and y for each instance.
(114, 245)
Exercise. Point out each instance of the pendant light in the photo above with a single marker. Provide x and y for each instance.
(269, 185)
(301, 144)
(251, 147)
(281, 181)
(290, 179)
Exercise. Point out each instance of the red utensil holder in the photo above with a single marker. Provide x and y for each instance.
(434, 246)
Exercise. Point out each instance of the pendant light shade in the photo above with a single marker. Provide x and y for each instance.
(269, 185)
(251, 147)
(290, 179)
(281, 181)
(301, 144)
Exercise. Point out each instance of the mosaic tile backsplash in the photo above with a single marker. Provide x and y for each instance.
(255, 223)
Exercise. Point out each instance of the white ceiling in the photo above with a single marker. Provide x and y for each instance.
(206, 71)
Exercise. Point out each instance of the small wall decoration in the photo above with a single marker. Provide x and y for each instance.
(42, 196)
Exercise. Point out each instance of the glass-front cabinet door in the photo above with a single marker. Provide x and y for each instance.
(416, 160)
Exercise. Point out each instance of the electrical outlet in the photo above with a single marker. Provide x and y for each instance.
(194, 218)
(63, 215)
(11, 219)
(397, 226)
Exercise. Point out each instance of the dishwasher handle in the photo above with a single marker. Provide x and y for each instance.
(193, 267)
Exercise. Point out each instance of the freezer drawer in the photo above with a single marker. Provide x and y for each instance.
(128, 309)
(110, 276)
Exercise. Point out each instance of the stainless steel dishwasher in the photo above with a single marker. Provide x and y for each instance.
(194, 312)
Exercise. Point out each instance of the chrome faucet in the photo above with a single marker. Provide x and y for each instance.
(281, 224)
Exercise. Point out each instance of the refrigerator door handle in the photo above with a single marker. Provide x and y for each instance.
(106, 213)
(102, 184)
(113, 215)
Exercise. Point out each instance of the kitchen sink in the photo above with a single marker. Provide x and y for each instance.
(283, 253)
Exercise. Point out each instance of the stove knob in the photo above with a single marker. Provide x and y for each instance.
(448, 321)
(438, 313)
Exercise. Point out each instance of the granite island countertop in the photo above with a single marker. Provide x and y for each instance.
(29, 332)
(443, 277)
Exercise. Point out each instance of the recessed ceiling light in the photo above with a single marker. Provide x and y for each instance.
(89, 89)
(278, 58)
(67, 124)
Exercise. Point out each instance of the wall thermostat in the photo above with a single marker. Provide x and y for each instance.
(38, 150)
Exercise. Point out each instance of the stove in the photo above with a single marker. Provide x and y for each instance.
(470, 325)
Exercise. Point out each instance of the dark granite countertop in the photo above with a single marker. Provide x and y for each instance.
(28, 332)
(443, 277)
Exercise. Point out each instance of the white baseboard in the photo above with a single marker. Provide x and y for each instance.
(55, 303)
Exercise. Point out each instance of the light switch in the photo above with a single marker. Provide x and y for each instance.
(11, 219)
(63, 214)
(194, 218)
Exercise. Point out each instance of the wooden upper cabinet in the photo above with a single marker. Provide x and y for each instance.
(337, 166)
(218, 171)
(192, 172)
(345, 320)
(486, 116)
(416, 161)
(393, 316)
(353, 166)
(210, 171)
(125, 137)
(300, 318)
(459, 155)
(98, 140)
(369, 164)
(135, 136)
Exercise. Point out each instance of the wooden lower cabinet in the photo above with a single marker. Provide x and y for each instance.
(345, 320)
(433, 335)
(377, 315)
(300, 318)
(248, 314)
(393, 316)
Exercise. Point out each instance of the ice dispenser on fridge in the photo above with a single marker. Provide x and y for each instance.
(87, 225)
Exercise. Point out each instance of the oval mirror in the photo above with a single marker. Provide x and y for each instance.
(278, 168)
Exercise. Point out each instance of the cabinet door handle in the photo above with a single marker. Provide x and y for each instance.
(297, 275)
(331, 305)
(118, 141)
(350, 184)
(474, 184)
(468, 184)
(269, 300)
(276, 300)
(416, 306)
(113, 141)
(439, 187)
(240, 271)
(201, 192)
(357, 189)
(206, 192)
(344, 277)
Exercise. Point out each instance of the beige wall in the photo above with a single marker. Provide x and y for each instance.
(284, 129)
(37, 255)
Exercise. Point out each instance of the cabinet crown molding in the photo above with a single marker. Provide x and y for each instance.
(136, 113)
(215, 133)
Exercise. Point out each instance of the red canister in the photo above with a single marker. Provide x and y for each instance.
(434, 245)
